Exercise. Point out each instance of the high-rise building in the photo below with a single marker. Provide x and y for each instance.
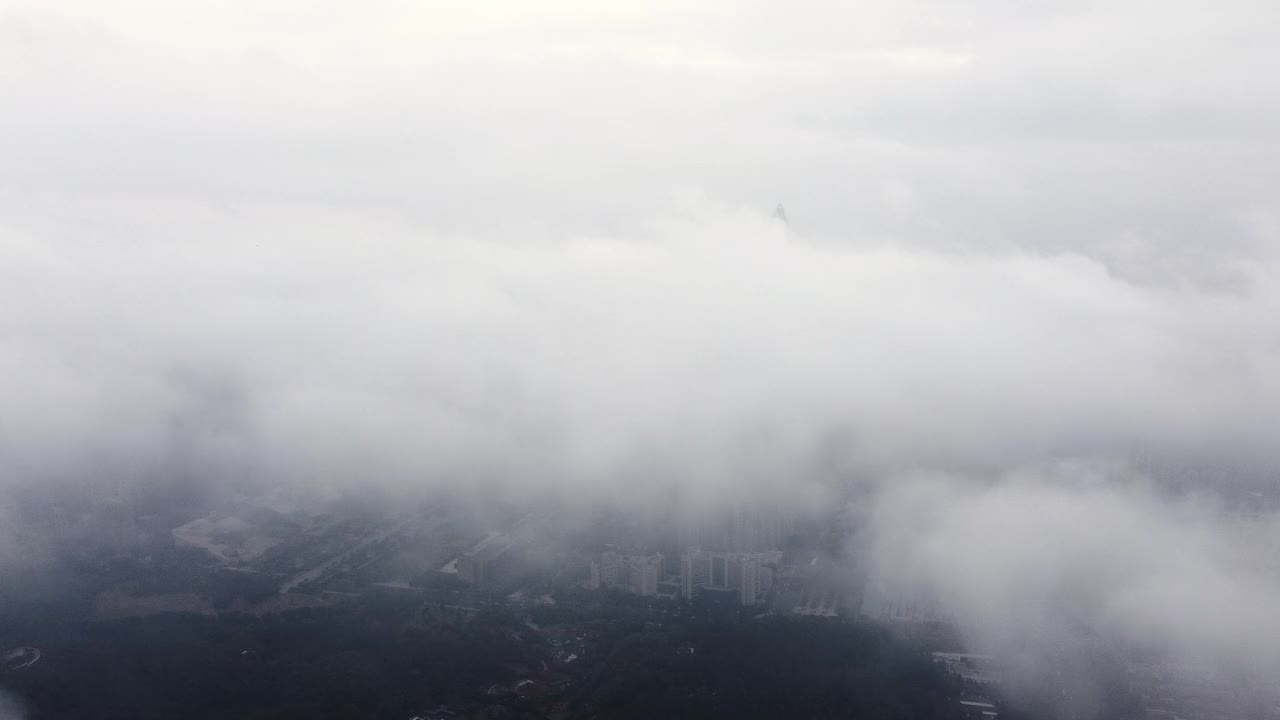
(719, 570)
(695, 572)
(744, 577)
(609, 570)
(639, 574)
(701, 569)
(645, 573)
(742, 573)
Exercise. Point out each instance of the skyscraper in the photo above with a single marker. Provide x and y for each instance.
(639, 574)
(743, 573)
(645, 573)
(695, 572)
(607, 571)
(744, 577)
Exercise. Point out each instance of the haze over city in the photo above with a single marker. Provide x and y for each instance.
(972, 303)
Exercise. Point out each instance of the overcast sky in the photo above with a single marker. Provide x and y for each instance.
(465, 242)
(1142, 134)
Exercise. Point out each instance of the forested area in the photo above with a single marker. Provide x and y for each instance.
(773, 668)
(345, 662)
(389, 657)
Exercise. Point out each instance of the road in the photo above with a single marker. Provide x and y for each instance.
(319, 570)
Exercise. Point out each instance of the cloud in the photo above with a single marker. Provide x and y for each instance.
(1010, 130)
(1034, 558)
(334, 344)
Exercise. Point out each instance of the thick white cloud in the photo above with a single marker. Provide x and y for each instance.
(1032, 555)
(698, 340)
(1138, 133)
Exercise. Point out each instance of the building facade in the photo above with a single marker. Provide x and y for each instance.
(747, 575)
(639, 574)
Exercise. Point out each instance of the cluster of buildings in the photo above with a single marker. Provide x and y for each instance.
(747, 576)
(639, 574)
(743, 577)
